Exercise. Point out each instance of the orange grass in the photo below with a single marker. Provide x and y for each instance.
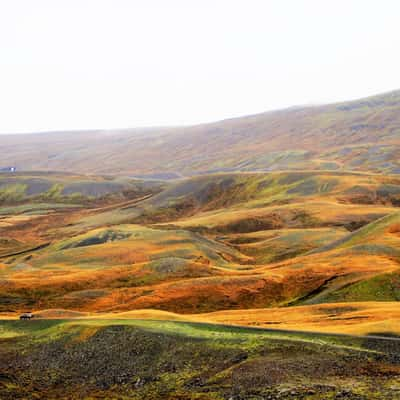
(356, 318)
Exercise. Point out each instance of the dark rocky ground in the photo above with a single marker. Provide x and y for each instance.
(131, 362)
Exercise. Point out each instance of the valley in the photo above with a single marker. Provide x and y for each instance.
(204, 244)
(284, 282)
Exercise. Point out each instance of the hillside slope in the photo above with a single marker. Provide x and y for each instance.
(216, 242)
(358, 135)
(133, 359)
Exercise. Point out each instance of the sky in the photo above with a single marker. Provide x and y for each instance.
(89, 64)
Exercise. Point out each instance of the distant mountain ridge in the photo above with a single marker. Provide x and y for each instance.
(360, 135)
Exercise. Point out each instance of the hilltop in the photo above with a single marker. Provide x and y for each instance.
(360, 135)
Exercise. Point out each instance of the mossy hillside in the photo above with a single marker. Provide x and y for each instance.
(69, 188)
(385, 287)
(12, 193)
(36, 208)
(278, 245)
(168, 360)
(138, 244)
(383, 231)
(252, 190)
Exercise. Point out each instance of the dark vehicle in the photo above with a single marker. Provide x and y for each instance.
(26, 316)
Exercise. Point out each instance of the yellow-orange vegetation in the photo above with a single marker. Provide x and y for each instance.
(284, 248)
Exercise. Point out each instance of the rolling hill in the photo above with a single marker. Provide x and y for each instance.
(288, 220)
(362, 135)
(202, 244)
(36, 187)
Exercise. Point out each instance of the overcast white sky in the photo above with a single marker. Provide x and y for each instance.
(80, 64)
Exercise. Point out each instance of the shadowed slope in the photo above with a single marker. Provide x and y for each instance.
(139, 359)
